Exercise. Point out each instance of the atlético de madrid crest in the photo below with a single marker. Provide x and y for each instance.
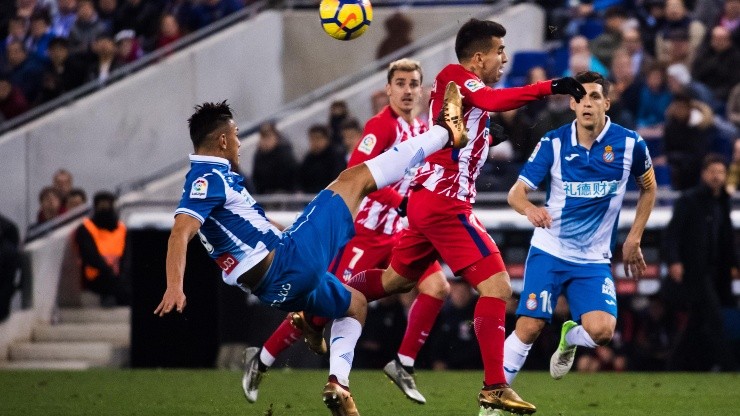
(608, 154)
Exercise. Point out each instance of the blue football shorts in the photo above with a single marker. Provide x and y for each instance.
(298, 279)
(587, 287)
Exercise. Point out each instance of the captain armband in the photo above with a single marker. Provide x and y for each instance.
(647, 180)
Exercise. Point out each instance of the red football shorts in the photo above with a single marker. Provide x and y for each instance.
(369, 249)
(445, 227)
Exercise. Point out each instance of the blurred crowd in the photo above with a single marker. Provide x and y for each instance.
(50, 47)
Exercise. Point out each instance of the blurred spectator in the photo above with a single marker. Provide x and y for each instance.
(601, 358)
(10, 260)
(351, 135)
(63, 73)
(578, 46)
(169, 30)
(686, 139)
(733, 106)
(639, 57)
(655, 337)
(101, 240)
(208, 11)
(50, 203)
(25, 72)
(338, 112)
(12, 101)
(142, 17)
(105, 59)
(606, 43)
(653, 102)
(398, 28)
(701, 256)
(378, 100)
(708, 12)
(86, 28)
(718, 66)
(556, 114)
(733, 176)
(40, 34)
(679, 35)
(63, 183)
(680, 82)
(322, 163)
(730, 19)
(107, 12)
(652, 17)
(453, 344)
(127, 47)
(65, 18)
(17, 32)
(626, 86)
(274, 164)
(75, 198)
(533, 109)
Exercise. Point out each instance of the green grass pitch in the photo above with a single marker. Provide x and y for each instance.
(284, 392)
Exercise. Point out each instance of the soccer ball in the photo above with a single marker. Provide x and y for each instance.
(345, 19)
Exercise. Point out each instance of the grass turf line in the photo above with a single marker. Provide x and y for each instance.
(213, 392)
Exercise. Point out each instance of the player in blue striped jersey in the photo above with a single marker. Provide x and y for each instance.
(287, 269)
(584, 167)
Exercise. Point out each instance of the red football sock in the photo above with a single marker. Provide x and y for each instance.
(283, 337)
(369, 283)
(422, 314)
(489, 320)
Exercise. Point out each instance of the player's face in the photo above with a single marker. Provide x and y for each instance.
(491, 63)
(591, 111)
(715, 176)
(232, 144)
(404, 91)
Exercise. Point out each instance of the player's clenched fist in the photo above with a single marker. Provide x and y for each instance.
(173, 298)
(538, 216)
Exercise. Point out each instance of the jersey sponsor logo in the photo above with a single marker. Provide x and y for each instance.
(608, 155)
(594, 189)
(534, 152)
(608, 288)
(367, 144)
(571, 156)
(474, 85)
(199, 189)
(227, 262)
(531, 302)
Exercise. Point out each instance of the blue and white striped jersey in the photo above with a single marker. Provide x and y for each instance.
(585, 189)
(235, 230)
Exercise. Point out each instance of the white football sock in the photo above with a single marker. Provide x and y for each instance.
(406, 360)
(515, 354)
(390, 166)
(266, 358)
(579, 336)
(344, 335)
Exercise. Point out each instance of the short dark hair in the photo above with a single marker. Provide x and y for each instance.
(49, 190)
(208, 117)
(77, 192)
(712, 158)
(320, 129)
(588, 77)
(350, 123)
(58, 41)
(475, 36)
(101, 196)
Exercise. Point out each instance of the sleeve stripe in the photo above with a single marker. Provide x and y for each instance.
(191, 213)
(527, 182)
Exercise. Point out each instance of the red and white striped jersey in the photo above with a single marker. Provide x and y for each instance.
(386, 129)
(452, 172)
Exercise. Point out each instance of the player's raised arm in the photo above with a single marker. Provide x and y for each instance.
(177, 247)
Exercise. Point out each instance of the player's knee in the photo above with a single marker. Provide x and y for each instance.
(357, 306)
(601, 334)
(356, 176)
(435, 286)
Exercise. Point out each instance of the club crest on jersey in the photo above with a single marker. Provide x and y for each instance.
(199, 189)
(608, 154)
(367, 144)
(532, 302)
(474, 85)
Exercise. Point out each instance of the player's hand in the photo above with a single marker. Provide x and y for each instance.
(498, 135)
(675, 271)
(634, 263)
(173, 298)
(569, 86)
(538, 216)
(402, 207)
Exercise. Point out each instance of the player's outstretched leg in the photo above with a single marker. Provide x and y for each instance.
(252, 374)
(339, 400)
(503, 397)
(404, 380)
(314, 337)
(562, 359)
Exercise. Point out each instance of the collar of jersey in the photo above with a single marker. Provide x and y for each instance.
(209, 159)
(574, 139)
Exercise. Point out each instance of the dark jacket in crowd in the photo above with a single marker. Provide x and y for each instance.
(274, 171)
(319, 170)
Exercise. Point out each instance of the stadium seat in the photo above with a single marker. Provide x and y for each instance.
(558, 61)
(522, 62)
(591, 29)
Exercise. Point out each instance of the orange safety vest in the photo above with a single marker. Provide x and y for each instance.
(110, 245)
